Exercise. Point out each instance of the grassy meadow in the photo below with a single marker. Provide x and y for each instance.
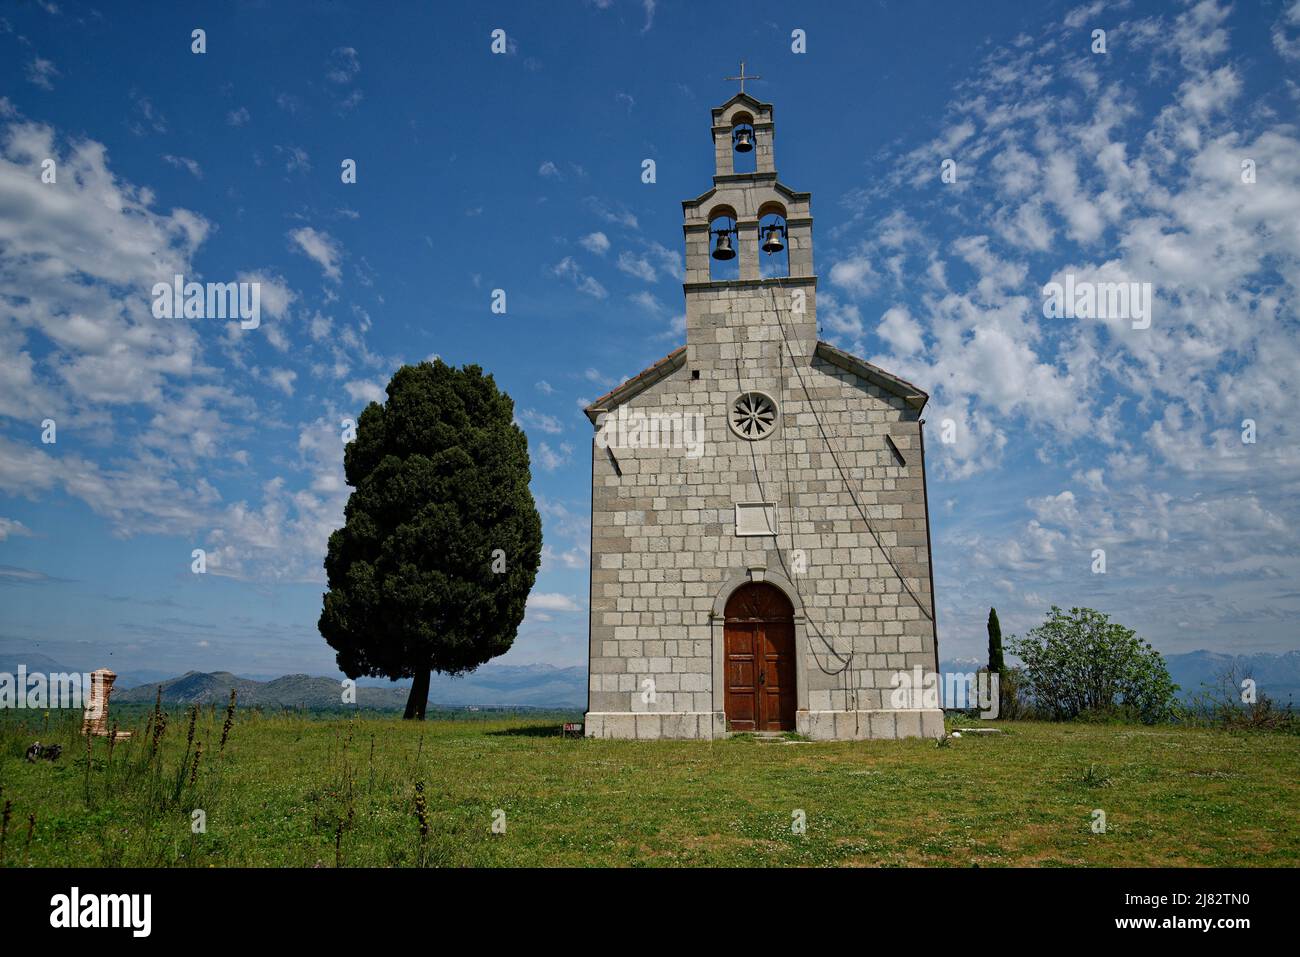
(305, 791)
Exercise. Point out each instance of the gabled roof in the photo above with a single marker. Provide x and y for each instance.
(638, 383)
(793, 195)
(742, 98)
(677, 358)
(873, 374)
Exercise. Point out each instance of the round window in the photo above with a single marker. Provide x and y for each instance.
(753, 415)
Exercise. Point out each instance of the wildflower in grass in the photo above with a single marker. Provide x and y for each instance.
(194, 771)
(1094, 777)
(31, 826)
(157, 721)
(4, 827)
(422, 815)
(421, 809)
(159, 728)
(230, 722)
(189, 737)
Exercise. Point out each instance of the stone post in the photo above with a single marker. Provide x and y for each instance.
(95, 719)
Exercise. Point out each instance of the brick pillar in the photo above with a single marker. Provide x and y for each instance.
(723, 159)
(765, 148)
(747, 248)
(95, 719)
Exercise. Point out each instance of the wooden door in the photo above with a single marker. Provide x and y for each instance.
(758, 634)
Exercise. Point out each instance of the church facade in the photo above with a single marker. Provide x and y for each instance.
(760, 552)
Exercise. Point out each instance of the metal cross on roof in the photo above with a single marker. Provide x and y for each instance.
(742, 78)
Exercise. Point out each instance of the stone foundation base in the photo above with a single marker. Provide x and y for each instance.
(857, 725)
(817, 725)
(650, 727)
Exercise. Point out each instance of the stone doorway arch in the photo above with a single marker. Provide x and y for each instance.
(790, 612)
(758, 643)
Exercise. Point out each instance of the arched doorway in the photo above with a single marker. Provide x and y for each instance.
(759, 657)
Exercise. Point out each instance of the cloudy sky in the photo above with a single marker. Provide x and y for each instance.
(522, 171)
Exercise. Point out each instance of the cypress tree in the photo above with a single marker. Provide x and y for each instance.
(996, 664)
(442, 541)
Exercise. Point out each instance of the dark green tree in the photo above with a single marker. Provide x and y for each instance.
(441, 539)
(996, 662)
(1080, 662)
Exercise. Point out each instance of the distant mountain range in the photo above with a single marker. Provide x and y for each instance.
(546, 686)
(297, 691)
(519, 686)
(1199, 672)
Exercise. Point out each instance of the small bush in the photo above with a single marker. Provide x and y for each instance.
(1222, 706)
(1080, 661)
(1094, 778)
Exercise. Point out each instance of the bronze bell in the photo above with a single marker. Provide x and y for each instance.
(744, 143)
(723, 250)
(773, 244)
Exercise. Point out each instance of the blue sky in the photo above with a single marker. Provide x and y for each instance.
(522, 172)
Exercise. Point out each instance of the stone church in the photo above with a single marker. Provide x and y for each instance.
(769, 570)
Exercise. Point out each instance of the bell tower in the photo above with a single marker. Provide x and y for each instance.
(749, 217)
(771, 570)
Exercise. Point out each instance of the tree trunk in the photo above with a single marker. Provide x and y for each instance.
(419, 697)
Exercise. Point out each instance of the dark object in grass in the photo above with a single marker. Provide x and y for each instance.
(48, 752)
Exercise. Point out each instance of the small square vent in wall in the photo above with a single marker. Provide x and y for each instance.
(756, 518)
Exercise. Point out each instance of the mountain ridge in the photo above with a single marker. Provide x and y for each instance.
(565, 687)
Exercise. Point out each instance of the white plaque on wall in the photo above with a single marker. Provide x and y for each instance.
(756, 518)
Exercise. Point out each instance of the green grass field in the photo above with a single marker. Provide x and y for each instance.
(301, 791)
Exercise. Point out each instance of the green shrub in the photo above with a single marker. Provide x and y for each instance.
(1080, 661)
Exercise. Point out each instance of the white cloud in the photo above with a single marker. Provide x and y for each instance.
(854, 275)
(321, 248)
(344, 65)
(551, 459)
(568, 268)
(597, 243)
(620, 217)
(1286, 33)
(296, 159)
(648, 302)
(665, 260)
(531, 418)
(363, 392)
(636, 266)
(552, 601)
(74, 265)
(41, 72)
(569, 559)
(10, 527)
(282, 379)
(185, 163)
(901, 331)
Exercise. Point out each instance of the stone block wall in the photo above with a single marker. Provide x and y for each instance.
(664, 541)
